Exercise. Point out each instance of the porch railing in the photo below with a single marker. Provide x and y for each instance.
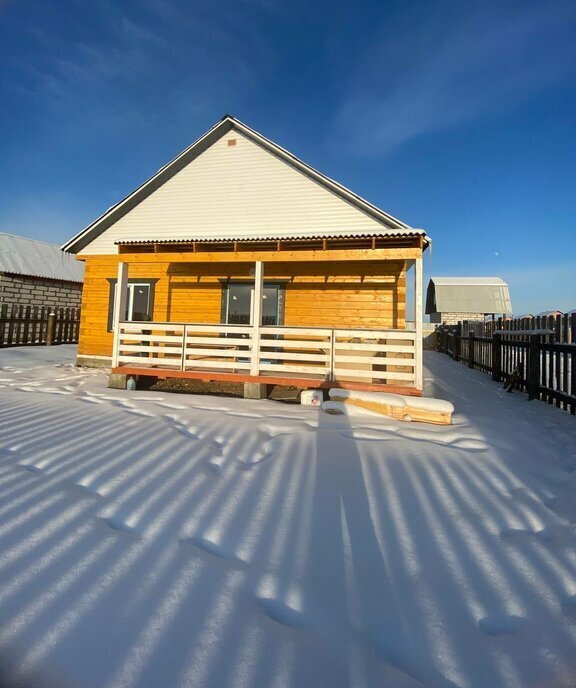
(370, 356)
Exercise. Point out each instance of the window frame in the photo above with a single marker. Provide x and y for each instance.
(278, 285)
(132, 282)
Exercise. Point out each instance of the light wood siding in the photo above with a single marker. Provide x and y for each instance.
(94, 339)
(361, 295)
(242, 190)
(368, 294)
(343, 305)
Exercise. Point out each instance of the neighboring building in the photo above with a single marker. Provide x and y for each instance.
(249, 265)
(36, 273)
(548, 314)
(452, 299)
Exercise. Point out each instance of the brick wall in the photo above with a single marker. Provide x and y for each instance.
(454, 318)
(36, 291)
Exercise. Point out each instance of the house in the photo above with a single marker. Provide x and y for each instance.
(238, 261)
(36, 273)
(452, 299)
(549, 314)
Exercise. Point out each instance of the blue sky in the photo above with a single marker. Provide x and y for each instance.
(459, 117)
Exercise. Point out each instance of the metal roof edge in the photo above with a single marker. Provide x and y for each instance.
(391, 233)
(340, 189)
(137, 195)
(468, 281)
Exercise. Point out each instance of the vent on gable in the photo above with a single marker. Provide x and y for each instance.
(231, 142)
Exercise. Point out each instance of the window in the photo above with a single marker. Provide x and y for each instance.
(237, 304)
(139, 301)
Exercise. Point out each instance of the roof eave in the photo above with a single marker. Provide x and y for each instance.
(391, 234)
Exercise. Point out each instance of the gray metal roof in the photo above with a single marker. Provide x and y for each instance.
(278, 236)
(468, 295)
(23, 256)
(449, 281)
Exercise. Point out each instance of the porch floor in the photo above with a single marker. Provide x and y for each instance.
(286, 379)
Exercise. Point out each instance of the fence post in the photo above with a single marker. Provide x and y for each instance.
(457, 336)
(51, 329)
(3, 321)
(471, 337)
(11, 322)
(533, 367)
(496, 357)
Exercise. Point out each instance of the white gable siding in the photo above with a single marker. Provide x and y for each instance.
(241, 190)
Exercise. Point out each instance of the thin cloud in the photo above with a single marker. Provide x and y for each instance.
(486, 65)
(145, 60)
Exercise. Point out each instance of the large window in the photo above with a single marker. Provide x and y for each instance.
(139, 301)
(237, 304)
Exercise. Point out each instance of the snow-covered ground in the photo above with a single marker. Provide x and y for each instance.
(157, 540)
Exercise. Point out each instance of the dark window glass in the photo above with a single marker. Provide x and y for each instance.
(270, 306)
(240, 302)
(139, 303)
(239, 297)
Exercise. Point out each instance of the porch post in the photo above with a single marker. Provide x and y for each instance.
(418, 381)
(119, 307)
(257, 317)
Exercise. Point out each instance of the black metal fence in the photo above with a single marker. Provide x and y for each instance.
(21, 325)
(526, 348)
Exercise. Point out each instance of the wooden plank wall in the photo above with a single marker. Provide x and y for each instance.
(362, 294)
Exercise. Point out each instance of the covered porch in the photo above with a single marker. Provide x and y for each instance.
(260, 350)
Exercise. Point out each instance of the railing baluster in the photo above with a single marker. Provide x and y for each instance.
(183, 359)
(331, 375)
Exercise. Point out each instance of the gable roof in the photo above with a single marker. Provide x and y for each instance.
(468, 295)
(30, 257)
(387, 225)
(463, 281)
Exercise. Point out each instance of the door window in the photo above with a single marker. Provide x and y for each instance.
(139, 302)
(138, 306)
(239, 303)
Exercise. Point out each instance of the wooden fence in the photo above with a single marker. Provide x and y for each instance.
(541, 350)
(21, 325)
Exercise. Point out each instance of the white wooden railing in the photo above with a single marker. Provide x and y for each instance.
(370, 356)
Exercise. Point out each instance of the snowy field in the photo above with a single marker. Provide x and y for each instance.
(153, 540)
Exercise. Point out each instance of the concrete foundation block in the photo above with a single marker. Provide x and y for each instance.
(89, 362)
(117, 381)
(255, 390)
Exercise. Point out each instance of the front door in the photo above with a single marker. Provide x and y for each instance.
(239, 303)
